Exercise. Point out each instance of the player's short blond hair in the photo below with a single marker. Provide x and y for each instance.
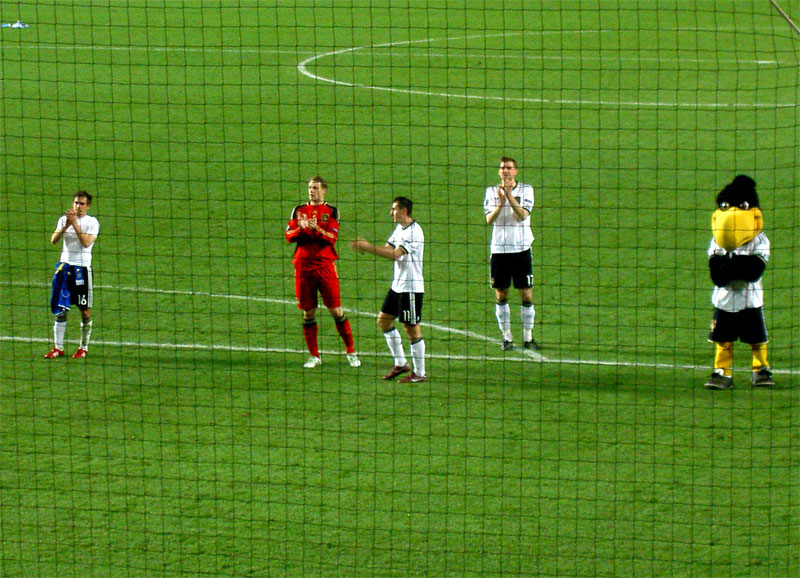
(320, 181)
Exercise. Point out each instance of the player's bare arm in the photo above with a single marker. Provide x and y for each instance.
(501, 201)
(72, 221)
(519, 212)
(387, 251)
(59, 232)
(83, 238)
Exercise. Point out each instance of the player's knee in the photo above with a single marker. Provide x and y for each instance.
(414, 332)
(502, 301)
(61, 318)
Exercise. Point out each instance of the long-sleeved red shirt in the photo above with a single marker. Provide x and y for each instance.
(314, 248)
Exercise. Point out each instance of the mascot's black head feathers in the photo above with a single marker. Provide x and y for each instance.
(740, 193)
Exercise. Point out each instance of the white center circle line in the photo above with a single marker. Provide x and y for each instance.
(304, 64)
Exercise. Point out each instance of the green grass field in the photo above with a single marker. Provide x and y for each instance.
(192, 442)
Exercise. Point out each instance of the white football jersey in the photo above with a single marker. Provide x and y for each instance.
(72, 251)
(408, 268)
(738, 295)
(510, 235)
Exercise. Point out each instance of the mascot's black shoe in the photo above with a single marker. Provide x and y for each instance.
(762, 378)
(719, 381)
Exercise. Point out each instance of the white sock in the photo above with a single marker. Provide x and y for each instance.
(503, 314)
(86, 333)
(418, 357)
(395, 343)
(59, 330)
(528, 315)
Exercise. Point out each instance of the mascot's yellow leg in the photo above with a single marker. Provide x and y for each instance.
(759, 356)
(723, 357)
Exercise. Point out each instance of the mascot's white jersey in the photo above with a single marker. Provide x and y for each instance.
(738, 295)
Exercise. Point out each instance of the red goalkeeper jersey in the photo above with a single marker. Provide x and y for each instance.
(314, 248)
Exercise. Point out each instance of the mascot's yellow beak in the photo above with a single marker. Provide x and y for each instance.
(734, 227)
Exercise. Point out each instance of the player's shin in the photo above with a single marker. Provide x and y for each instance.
(418, 357)
(310, 331)
(86, 332)
(503, 313)
(59, 330)
(395, 343)
(528, 316)
(343, 327)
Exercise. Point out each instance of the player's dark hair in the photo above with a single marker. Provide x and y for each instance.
(319, 180)
(404, 203)
(508, 160)
(83, 195)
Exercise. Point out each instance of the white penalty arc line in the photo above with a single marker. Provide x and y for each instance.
(303, 69)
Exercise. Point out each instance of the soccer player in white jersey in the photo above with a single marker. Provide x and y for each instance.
(404, 300)
(72, 280)
(507, 207)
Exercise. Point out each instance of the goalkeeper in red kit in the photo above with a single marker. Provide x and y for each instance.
(314, 227)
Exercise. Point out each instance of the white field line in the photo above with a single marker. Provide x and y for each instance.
(371, 51)
(303, 69)
(149, 48)
(528, 355)
(428, 354)
(468, 54)
(534, 355)
(251, 349)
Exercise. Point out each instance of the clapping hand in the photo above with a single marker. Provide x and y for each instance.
(501, 195)
(308, 223)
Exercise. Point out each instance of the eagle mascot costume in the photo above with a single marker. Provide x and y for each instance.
(737, 257)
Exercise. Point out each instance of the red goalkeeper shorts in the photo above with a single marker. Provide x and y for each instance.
(323, 281)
